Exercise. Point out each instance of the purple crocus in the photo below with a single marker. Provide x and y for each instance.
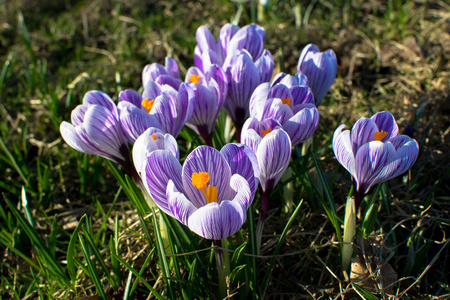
(209, 91)
(210, 193)
(320, 68)
(373, 152)
(163, 75)
(293, 107)
(231, 39)
(272, 147)
(244, 75)
(96, 129)
(161, 107)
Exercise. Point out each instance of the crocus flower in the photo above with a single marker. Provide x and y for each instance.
(244, 75)
(96, 128)
(207, 193)
(272, 147)
(209, 91)
(153, 139)
(373, 151)
(161, 107)
(163, 75)
(292, 107)
(231, 39)
(320, 68)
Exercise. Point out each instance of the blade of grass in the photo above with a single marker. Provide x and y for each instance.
(44, 253)
(330, 208)
(91, 270)
(71, 249)
(13, 162)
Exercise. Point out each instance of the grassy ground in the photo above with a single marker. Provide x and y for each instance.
(392, 55)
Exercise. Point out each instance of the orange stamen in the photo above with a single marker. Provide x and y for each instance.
(286, 101)
(380, 135)
(200, 180)
(154, 137)
(148, 104)
(265, 132)
(194, 78)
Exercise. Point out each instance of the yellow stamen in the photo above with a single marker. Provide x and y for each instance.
(264, 132)
(194, 78)
(380, 135)
(148, 104)
(154, 137)
(200, 180)
(286, 101)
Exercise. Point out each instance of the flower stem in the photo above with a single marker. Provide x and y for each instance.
(223, 265)
(262, 218)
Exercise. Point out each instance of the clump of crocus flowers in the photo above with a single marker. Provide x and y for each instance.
(212, 190)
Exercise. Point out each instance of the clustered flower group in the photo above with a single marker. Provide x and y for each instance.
(212, 190)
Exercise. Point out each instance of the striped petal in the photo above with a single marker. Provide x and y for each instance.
(370, 162)
(105, 131)
(302, 125)
(159, 167)
(385, 121)
(274, 153)
(135, 121)
(70, 136)
(217, 221)
(102, 99)
(180, 207)
(132, 97)
(342, 148)
(362, 132)
(151, 140)
(207, 159)
(243, 161)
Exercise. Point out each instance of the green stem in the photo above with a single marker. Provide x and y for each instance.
(349, 232)
(223, 265)
(262, 218)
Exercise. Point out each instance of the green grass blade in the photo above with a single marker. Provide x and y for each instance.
(91, 270)
(71, 249)
(44, 253)
(98, 257)
(13, 162)
(330, 208)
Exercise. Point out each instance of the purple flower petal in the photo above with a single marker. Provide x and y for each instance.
(159, 167)
(343, 151)
(70, 136)
(77, 115)
(386, 122)
(135, 121)
(406, 153)
(274, 153)
(102, 99)
(217, 221)
(370, 160)
(265, 66)
(180, 207)
(151, 140)
(362, 132)
(302, 125)
(258, 101)
(205, 39)
(252, 131)
(132, 97)
(105, 131)
(250, 38)
(243, 161)
(209, 160)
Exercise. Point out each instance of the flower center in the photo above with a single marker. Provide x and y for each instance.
(200, 180)
(194, 78)
(380, 135)
(148, 104)
(286, 101)
(264, 132)
(154, 137)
